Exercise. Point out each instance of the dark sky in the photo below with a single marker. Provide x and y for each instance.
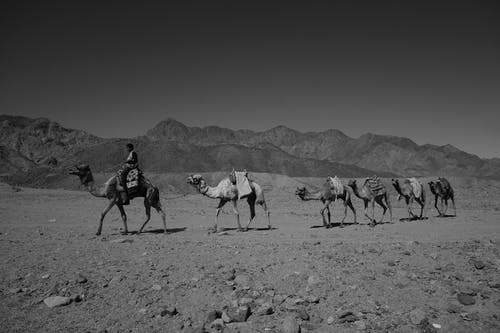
(429, 71)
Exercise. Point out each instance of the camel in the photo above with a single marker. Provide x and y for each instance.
(443, 190)
(226, 191)
(109, 190)
(411, 189)
(368, 196)
(326, 195)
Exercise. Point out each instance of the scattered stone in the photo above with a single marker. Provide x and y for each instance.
(217, 324)
(15, 290)
(478, 264)
(494, 284)
(156, 287)
(290, 325)
(121, 240)
(239, 314)
(198, 329)
(436, 325)
(347, 317)
(45, 276)
(242, 280)
(168, 310)
(453, 308)
(417, 316)
(212, 315)
(77, 298)
(312, 299)
(52, 220)
(245, 301)
(426, 327)
(143, 311)
(264, 310)
(360, 325)
(313, 280)
(330, 320)
(466, 299)
(302, 313)
(81, 279)
(391, 263)
(225, 317)
(54, 301)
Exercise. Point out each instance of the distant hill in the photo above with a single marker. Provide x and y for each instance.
(35, 149)
(384, 153)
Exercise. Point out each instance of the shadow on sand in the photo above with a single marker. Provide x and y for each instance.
(446, 215)
(160, 231)
(407, 219)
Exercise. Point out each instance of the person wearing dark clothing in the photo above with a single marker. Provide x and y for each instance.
(131, 163)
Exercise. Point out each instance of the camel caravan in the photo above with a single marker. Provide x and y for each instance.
(129, 183)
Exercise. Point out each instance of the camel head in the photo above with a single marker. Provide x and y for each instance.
(396, 185)
(83, 172)
(196, 180)
(301, 192)
(433, 187)
(352, 183)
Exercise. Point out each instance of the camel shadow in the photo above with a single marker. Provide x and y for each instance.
(333, 225)
(446, 215)
(160, 231)
(262, 229)
(416, 218)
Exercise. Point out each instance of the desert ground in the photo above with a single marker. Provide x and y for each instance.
(432, 275)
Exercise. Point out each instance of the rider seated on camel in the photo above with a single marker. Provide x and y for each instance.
(131, 163)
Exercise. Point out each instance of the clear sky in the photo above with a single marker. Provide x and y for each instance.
(427, 70)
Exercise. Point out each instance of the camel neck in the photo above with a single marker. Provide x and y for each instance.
(208, 191)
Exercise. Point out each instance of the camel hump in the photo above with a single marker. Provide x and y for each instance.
(445, 183)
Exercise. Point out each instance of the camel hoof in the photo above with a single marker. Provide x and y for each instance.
(269, 227)
(98, 233)
(239, 230)
(342, 225)
(372, 224)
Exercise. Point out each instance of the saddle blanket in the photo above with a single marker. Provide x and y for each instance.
(375, 185)
(336, 185)
(133, 178)
(417, 187)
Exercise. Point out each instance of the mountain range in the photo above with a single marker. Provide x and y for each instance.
(41, 146)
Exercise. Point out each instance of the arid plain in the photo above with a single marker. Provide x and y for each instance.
(433, 275)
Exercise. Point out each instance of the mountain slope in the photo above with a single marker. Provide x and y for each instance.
(370, 151)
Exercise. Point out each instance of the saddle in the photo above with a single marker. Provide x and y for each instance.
(375, 185)
(134, 178)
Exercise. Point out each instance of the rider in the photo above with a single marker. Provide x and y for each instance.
(130, 163)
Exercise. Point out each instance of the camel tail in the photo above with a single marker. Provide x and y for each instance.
(153, 196)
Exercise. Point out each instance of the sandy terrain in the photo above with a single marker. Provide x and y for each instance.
(401, 277)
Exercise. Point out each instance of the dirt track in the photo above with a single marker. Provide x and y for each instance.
(390, 277)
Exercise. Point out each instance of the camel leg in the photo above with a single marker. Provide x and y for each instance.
(322, 212)
(266, 211)
(329, 214)
(422, 204)
(349, 203)
(222, 202)
(445, 206)
(409, 203)
(251, 205)
(388, 204)
(373, 223)
(147, 206)
(124, 218)
(163, 216)
(103, 214)
(345, 214)
(380, 202)
(237, 213)
(366, 211)
(436, 205)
